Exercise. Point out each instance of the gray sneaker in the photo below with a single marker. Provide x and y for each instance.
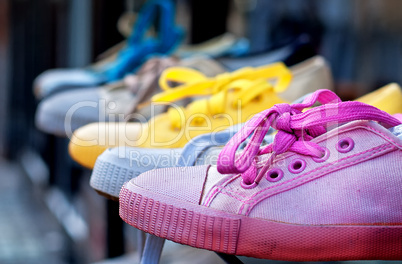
(115, 166)
(118, 165)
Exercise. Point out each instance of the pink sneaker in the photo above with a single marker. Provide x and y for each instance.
(328, 188)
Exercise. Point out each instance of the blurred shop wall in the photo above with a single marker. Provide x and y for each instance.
(4, 49)
(40, 35)
(360, 38)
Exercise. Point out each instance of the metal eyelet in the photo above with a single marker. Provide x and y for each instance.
(297, 166)
(345, 145)
(247, 186)
(324, 157)
(274, 175)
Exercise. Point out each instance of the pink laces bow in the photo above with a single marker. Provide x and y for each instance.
(295, 128)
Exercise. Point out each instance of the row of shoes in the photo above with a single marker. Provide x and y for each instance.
(243, 156)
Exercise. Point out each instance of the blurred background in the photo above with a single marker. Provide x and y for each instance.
(48, 213)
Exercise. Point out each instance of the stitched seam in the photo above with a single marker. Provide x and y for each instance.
(225, 183)
(378, 149)
(216, 192)
(230, 195)
(261, 162)
(212, 195)
(319, 168)
(390, 139)
(203, 184)
(310, 177)
(219, 189)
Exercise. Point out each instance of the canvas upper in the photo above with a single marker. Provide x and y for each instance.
(221, 108)
(64, 112)
(327, 188)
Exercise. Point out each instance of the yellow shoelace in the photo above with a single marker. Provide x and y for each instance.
(248, 83)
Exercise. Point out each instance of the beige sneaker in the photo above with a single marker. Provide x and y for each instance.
(90, 141)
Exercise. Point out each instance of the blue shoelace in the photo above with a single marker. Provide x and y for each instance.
(139, 46)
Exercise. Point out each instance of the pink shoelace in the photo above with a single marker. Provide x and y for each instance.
(296, 129)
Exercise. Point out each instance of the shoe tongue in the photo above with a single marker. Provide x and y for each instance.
(333, 126)
(125, 23)
(212, 179)
(232, 64)
(209, 67)
(397, 131)
(209, 156)
(398, 116)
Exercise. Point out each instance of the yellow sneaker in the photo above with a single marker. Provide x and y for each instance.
(387, 98)
(230, 98)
